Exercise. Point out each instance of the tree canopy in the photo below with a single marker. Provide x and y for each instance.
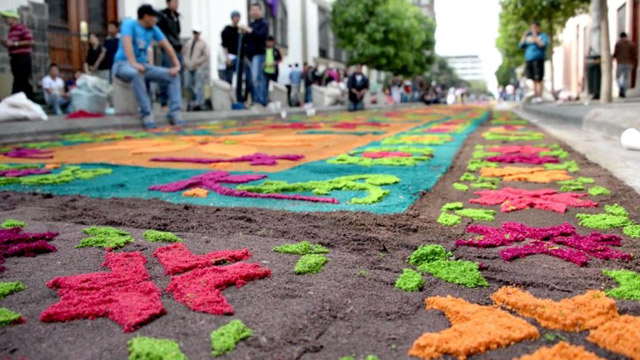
(388, 35)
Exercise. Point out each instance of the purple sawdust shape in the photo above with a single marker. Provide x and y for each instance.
(257, 159)
(20, 153)
(213, 180)
(14, 242)
(523, 159)
(577, 249)
(23, 172)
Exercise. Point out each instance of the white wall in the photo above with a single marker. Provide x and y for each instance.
(15, 4)
(311, 27)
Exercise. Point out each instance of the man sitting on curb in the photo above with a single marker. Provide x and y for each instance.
(130, 65)
(358, 86)
(55, 94)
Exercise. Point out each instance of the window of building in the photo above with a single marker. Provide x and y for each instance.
(97, 16)
(324, 32)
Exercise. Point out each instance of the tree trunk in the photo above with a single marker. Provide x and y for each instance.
(605, 91)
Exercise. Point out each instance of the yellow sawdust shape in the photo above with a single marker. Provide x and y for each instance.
(620, 335)
(561, 351)
(535, 174)
(197, 192)
(474, 329)
(579, 313)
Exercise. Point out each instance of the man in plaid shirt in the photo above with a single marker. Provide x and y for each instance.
(19, 43)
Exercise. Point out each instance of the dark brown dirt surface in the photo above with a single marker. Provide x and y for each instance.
(352, 308)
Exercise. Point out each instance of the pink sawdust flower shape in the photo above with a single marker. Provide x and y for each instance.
(177, 259)
(385, 154)
(21, 153)
(518, 149)
(15, 242)
(511, 199)
(354, 125)
(257, 159)
(13, 173)
(523, 159)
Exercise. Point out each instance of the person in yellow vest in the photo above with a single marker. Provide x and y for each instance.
(271, 61)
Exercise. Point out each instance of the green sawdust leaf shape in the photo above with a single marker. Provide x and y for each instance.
(18, 166)
(12, 223)
(460, 187)
(616, 209)
(301, 248)
(161, 236)
(481, 154)
(42, 145)
(475, 165)
(484, 185)
(615, 216)
(570, 166)
(8, 317)
(410, 281)
(632, 231)
(68, 174)
(477, 214)
(415, 140)
(452, 206)
(8, 288)
(467, 177)
(514, 136)
(147, 348)
(105, 237)
(310, 264)
(599, 190)
(225, 338)
(585, 180)
(629, 284)
(459, 272)
(559, 153)
(345, 159)
(449, 219)
(371, 186)
(428, 253)
(426, 151)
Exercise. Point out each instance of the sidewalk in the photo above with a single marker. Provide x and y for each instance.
(11, 132)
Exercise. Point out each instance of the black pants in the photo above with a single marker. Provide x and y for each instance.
(21, 70)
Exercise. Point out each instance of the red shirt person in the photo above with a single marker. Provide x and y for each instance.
(19, 43)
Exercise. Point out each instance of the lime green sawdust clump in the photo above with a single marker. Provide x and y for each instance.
(410, 281)
(599, 190)
(371, 185)
(484, 185)
(310, 264)
(436, 260)
(146, 348)
(570, 166)
(481, 154)
(401, 161)
(8, 317)
(477, 214)
(425, 151)
(11, 223)
(18, 166)
(449, 219)
(632, 231)
(106, 237)
(42, 145)
(629, 284)
(467, 177)
(70, 173)
(161, 236)
(615, 216)
(225, 338)
(514, 136)
(460, 187)
(302, 248)
(8, 288)
(452, 206)
(415, 140)
(475, 165)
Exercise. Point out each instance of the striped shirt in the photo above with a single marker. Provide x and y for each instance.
(19, 32)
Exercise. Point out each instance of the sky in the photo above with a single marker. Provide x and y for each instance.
(469, 27)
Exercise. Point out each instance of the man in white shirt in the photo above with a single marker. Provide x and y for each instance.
(55, 94)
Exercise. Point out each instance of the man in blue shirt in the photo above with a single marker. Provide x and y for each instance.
(256, 44)
(535, 44)
(131, 64)
(295, 77)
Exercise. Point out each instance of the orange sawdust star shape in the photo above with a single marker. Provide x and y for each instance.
(474, 329)
(579, 313)
(620, 335)
(535, 174)
(197, 192)
(562, 350)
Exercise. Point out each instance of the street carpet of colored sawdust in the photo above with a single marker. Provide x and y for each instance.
(475, 329)
(562, 350)
(310, 264)
(620, 335)
(200, 283)
(8, 317)
(536, 175)
(629, 284)
(410, 281)
(125, 295)
(106, 237)
(579, 313)
(511, 199)
(226, 338)
(147, 348)
(8, 288)
(15, 242)
(301, 248)
(436, 260)
(161, 236)
(12, 223)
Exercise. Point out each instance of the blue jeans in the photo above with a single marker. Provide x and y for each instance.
(259, 91)
(353, 106)
(166, 63)
(125, 72)
(194, 82)
(58, 103)
(308, 95)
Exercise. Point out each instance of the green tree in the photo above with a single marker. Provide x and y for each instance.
(517, 15)
(388, 35)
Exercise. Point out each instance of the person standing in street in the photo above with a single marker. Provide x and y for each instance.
(626, 55)
(358, 86)
(256, 35)
(535, 45)
(169, 24)
(230, 41)
(308, 83)
(95, 58)
(295, 77)
(196, 55)
(272, 61)
(131, 64)
(286, 81)
(19, 42)
(111, 45)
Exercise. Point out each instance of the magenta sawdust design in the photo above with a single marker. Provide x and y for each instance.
(353, 125)
(257, 159)
(511, 199)
(14, 242)
(14, 173)
(125, 295)
(20, 153)
(523, 159)
(294, 126)
(213, 180)
(200, 285)
(560, 241)
(518, 149)
(385, 154)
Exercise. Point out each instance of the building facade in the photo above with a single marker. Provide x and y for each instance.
(467, 67)
(428, 7)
